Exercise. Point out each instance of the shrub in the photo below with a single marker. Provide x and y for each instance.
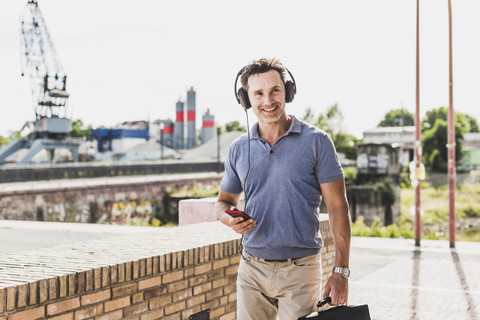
(350, 174)
(155, 222)
(405, 182)
(376, 228)
(406, 233)
(471, 212)
(432, 235)
(359, 229)
(392, 231)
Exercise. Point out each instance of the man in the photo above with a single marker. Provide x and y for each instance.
(284, 170)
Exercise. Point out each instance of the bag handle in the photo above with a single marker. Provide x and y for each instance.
(324, 301)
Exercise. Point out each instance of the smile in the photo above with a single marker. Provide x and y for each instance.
(270, 110)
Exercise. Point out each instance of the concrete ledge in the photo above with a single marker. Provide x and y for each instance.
(16, 269)
(196, 211)
(199, 210)
(174, 271)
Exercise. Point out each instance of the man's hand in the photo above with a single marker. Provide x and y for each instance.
(240, 226)
(229, 201)
(337, 289)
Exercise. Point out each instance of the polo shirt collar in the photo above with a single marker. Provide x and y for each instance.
(295, 127)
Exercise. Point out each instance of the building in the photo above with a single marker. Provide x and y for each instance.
(178, 135)
(171, 134)
(163, 130)
(402, 138)
(191, 118)
(208, 127)
(123, 137)
(379, 159)
(471, 151)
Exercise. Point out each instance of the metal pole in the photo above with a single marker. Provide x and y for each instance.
(162, 126)
(218, 149)
(418, 141)
(161, 141)
(451, 137)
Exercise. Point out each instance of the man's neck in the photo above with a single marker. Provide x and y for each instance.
(271, 132)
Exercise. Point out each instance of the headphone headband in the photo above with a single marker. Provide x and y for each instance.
(242, 96)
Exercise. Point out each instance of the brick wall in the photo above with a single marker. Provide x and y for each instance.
(169, 274)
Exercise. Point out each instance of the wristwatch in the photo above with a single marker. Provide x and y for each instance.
(345, 272)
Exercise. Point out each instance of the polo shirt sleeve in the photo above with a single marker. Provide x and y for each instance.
(328, 167)
(231, 182)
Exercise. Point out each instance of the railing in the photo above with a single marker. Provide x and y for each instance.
(96, 170)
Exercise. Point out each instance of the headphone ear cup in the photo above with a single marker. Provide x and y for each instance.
(243, 97)
(289, 91)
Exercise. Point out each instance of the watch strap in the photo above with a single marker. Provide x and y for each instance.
(344, 271)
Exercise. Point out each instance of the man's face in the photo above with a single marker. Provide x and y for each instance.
(266, 92)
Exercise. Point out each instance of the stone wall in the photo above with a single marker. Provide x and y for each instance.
(365, 201)
(171, 273)
(114, 200)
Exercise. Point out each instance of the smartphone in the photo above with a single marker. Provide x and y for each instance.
(238, 213)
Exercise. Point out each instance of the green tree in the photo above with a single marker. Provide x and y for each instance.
(463, 122)
(234, 126)
(16, 135)
(434, 136)
(80, 131)
(434, 139)
(309, 116)
(435, 153)
(473, 123)
(4, 140)
(332, 123)
(13, 135)
(397, 118)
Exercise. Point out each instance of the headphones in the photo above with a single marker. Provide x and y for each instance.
(242, 95)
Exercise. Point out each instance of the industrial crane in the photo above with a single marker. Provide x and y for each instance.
(39, 57)
(48, 86)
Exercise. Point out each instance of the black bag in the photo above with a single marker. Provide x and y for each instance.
(339, 313)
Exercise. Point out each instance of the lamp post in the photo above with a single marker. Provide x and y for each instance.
(451, 136)
(418, 141)
(162, 126)
(218, 149)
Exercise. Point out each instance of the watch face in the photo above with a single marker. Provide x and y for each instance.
(345, 272)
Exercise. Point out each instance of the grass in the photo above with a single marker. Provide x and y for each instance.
(435, 202)
(200, 192)
(469, 235)
(435, 216)
(377, 230)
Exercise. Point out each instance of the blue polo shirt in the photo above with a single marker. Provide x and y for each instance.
(282, 189)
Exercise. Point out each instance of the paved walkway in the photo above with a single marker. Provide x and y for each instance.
(17, 236)
(399, 281)
(396, 279)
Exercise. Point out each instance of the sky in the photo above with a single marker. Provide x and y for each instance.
(132, 60)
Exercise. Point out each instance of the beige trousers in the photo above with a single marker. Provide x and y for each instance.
(287, 290)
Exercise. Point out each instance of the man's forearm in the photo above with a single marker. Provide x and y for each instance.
(340, 226)
(220, 208)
